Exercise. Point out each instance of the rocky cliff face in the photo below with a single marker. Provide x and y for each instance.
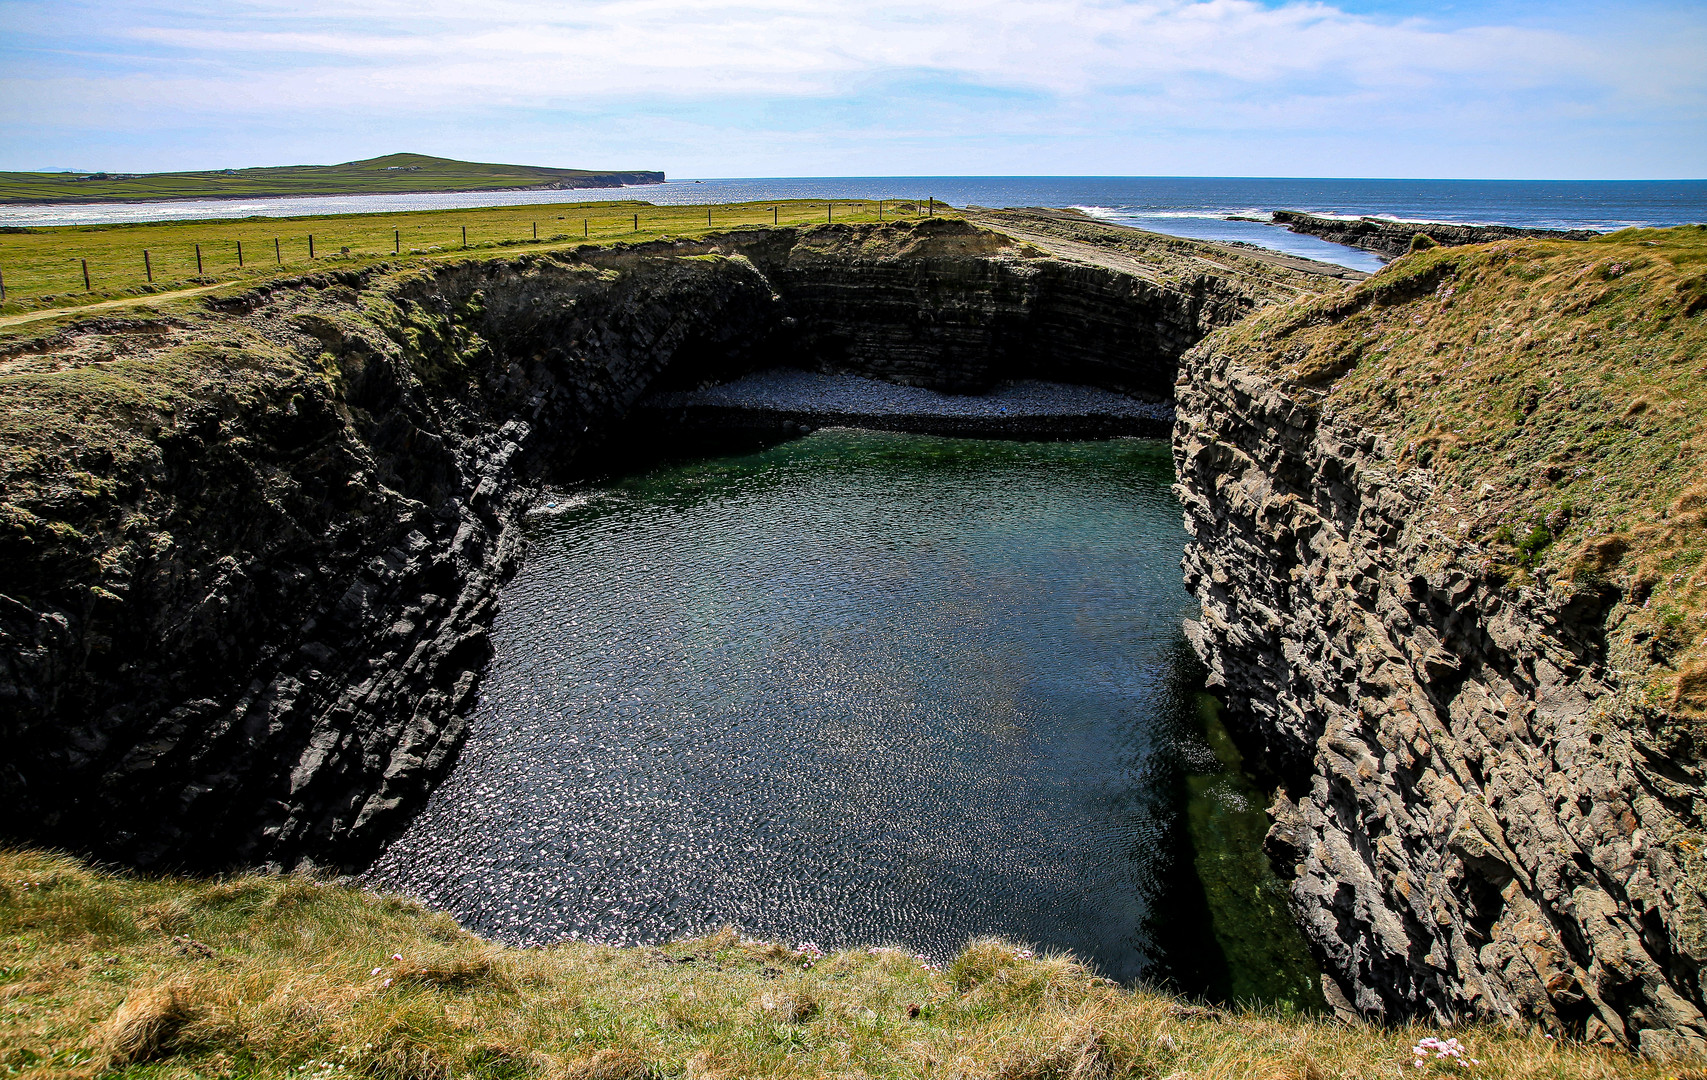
(1486, 808)
(604, 180)
(251, 551)
(958, 308)
(244, 617)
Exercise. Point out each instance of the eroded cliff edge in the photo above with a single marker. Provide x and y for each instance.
(1448, 535)
(251, 547)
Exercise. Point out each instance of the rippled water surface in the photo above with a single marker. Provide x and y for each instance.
(861, 688)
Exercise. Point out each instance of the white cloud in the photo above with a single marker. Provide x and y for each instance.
(1043, 69)
(1061, 47)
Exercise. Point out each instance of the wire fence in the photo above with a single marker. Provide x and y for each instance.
(72, 264)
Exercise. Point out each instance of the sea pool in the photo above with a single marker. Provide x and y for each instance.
(859, 689)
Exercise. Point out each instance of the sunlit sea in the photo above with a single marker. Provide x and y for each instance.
(1183, 206)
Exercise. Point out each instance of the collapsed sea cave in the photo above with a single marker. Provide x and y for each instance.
(257, 641)
(296, 706)
(256, 551)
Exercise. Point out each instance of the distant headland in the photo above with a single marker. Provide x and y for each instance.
(388, 175)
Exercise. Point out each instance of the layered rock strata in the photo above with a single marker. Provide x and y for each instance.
(250, 635)
(1481, 810)
(959, 309)
(251, 549)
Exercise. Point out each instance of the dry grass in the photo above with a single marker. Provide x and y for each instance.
(147, 1024)
(104, 974)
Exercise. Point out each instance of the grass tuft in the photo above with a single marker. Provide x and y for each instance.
(147, 1024)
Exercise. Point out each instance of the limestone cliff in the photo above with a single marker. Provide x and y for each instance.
(1447, 533)
(250, 549)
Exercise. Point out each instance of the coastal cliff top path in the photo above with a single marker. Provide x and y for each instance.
(1070, 235)
(109, 305)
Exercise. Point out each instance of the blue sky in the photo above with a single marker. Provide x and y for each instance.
(705, 88)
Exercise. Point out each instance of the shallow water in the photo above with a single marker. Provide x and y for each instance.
(861, 688)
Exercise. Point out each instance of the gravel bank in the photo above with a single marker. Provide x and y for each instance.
(1027, 409)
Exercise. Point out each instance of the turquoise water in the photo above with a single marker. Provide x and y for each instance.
(860, 689)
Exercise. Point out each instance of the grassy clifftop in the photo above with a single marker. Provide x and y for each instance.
(1557, 391)
(391, 174)
(43, 267)
(109, 975)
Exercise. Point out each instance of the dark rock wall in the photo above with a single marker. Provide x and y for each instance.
(958, 309)
(1474, 821)
(257, 644)
(292, 599)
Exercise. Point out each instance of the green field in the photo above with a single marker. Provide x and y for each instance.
(391, 174)
(43, 267)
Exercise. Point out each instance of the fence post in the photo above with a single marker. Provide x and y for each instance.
(773, 215)
(277, 254)
(239, 254)
(86, 287)
(584, 228)
(198, 260)
(147, 266)
(636, 222)
(465, 238)
(830, 212)
(397, 241)
(311, 245)
(708, 217)
(536, 230)
(2, 286)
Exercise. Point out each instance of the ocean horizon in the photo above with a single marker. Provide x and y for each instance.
(1195, 207)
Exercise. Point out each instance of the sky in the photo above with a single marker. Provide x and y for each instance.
(714, 88)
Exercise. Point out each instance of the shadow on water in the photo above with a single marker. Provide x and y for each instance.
(1242, 943)
(862, 688)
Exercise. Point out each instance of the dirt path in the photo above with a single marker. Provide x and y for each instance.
(1053, 230)
(105, 305)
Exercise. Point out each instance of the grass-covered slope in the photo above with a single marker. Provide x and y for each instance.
(391, 174)
(108, 975)
(1558, 392)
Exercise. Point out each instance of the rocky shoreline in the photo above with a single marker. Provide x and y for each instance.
(1391, 239)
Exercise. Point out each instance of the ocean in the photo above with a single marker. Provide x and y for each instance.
(1183, 206)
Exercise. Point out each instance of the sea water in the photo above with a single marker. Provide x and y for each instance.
(1184, 206)
(862, 689)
